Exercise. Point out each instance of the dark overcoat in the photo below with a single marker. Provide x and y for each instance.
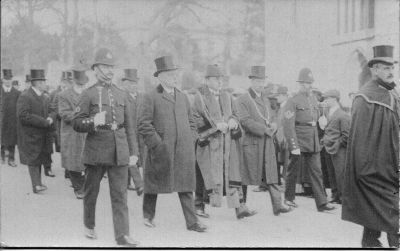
(257, 143)
(57, 123)
(169, 132)
(371, 186)
(9, 117)
(34, 138)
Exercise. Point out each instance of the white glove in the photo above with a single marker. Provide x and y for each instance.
(296, 152)
(323, 121)
(99, 118)
(232, 124)
(50, 120)
(222, 126)
(133, 160)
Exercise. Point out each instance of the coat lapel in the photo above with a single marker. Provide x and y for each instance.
(165, 95)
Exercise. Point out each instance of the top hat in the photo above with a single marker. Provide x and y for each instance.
(305, 76)
(37, 75)
(382, 54)
(331, 94)
(164, 63)
(258, 72)
(27, 78)
(80, 77)
(103, 56)
(7, 74)
(213, 71)
(66, 75)
(130, 74)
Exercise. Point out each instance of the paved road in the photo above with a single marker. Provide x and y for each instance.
(54, 218)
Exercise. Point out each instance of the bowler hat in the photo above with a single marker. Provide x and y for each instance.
(27, 78)
(331, 94)
(281, 90)
(213, 71)
(7, 74)
(80, 77)
(130, 74)
(164, 63)
(305, 76)
(382, 54)
(103, 56)
(37, 74)
(257, 72)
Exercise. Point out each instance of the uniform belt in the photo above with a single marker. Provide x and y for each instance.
(109, 127)
(312, 124)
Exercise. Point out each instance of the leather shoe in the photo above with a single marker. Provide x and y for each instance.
(12, 163)
(259, 189)
(336, 201)
(283, 210)
(90, 233)
(245, 213)
(326, 207)
(148, 223)
(127, 241)
(291, 203)
(49, 173)
(202, 213)
(132, 188)
(79, 195)
(39, 188)
(139, 191)
(198, 227)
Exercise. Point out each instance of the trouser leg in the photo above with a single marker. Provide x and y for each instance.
(370, 238)
(94, 174)
(244, 189)
(291, 176)
(11, 153)
(187, 203)
(118, 182)
(34, 173)
(339, 161)
(331, 175)
(393, 239)
(136, 176)
(3, 152)
(275, 195)
(149, 205)
(313, 163)
(77, 180)
(200, 192)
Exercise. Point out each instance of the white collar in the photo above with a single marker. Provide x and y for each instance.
(39, 93)
(332, 110)
(167, 89)
(7, 89)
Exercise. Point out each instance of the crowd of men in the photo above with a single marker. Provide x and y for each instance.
(210, 141)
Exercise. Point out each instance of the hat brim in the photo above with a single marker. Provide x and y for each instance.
(131, 79)
(257, 77)
(93, 65)
(304, 82)
(38, 79)
(379, 60)
(215, 76)
(81, 81)
(158, 72)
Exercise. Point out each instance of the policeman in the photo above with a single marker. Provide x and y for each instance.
(103, 112)
(300, 116)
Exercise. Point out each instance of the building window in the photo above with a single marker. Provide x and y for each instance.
(355, 15)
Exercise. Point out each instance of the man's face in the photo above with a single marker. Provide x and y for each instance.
(7, 83)
(104, 72)
(40, 85)
(383, 72)
(305, 87)
(214, 83)
(281, 98)
(258, 84)
(168, 78)
(130, 86)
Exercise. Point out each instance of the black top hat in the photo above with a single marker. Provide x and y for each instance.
(382, 54)
(213, 71)
(164, 63)
(7, 74)
(305, 76)
(27, 78)
(66, 75)
(37, 75)
(257, 72)
(80, 77)
(130, 74)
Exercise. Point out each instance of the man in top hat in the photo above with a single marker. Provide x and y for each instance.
(130, 84)
(103, 112)
(300, 118)
(9, 97)
(35, 122)
(335, 138)
(371, 180)
(217, 152)
(72, 142)
(169, 132)
(259, 161)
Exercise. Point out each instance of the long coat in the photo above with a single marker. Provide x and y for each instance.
(72, 142)
(257, 143)
(34, 138)
(222, 151)
(371, 185)
(169, 132)
(57, 123)
(135, 103)
(9, 117)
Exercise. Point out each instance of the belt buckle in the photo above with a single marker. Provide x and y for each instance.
(313, 123)
(114, 126)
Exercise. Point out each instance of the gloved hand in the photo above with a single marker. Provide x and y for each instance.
(222, 126)
(50, 120)
(232, 124)
(296, 152)
(133, 160)
(99, 118)
(323, 121)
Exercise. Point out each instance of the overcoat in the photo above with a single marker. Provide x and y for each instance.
(34, 131)
(257, 143)
(169, 132)
(371, 186)
(9, 117)
(220, 159)
(72, 142)
(57, 123)
(135, 102)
